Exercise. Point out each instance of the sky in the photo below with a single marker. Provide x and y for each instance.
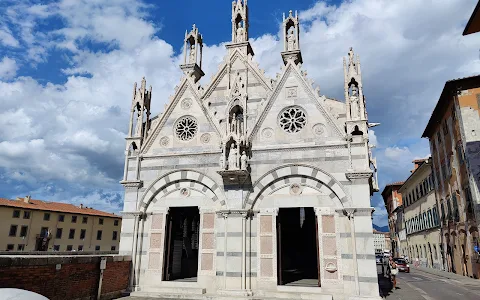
(67, 70)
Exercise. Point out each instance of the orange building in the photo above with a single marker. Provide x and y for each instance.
(393, 202)
(454, 134)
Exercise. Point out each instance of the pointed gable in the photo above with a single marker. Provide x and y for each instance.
(295, 113)
(185, 126)
(219, 92)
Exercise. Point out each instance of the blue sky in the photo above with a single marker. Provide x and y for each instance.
(67, 69)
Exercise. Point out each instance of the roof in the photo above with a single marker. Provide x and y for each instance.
(420, 160)
(445, 98)
(389, 186)
(55, 207)
(426, 163)
(473, 24)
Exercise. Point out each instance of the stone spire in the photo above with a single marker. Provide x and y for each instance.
(291, 38)
(354, 99)
(193, 47)
(240, 27)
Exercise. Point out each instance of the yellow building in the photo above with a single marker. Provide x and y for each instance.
(422, 222)
(35, 225)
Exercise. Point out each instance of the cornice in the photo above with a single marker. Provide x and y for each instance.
(132, 184)
(359, 175)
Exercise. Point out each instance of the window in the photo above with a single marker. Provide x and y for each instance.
(99, 235)
(460, 153)
(23, 231)
(13, 230)
(97, 248)
(16, 214)
(114, 236)
(69, 248)
(82, 233)
(61, 218)
(74, 219)
(80, 247)
(456, 215)
(442, 208)
(56, 247)
(10, 247)
(58, 235)
(71, 235)
(44, 232)
(435, 252)
(115, 223)
(468, 200)
(26, 214)
(113, 248)
(100, 221)
(435, 216)
(21, 247)
(449, 210)
(46, 216)
(84, 220)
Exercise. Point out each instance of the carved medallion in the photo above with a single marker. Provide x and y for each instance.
(267, 133)
(319, 129)
(185, 192)
(295, 189)
(186, 103)
(164, 141)
(331, 267)
(292, 92)
(205, 138)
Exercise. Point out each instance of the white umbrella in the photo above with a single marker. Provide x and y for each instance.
(17, 294)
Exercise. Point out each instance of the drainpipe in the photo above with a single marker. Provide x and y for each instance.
(103, 265)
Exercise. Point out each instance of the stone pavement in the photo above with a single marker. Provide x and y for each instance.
(461, 279)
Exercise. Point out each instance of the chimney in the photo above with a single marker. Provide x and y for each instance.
(27, 199)
(81, 205)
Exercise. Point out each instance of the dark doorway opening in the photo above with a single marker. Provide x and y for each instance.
(181, 244)
(297, 242)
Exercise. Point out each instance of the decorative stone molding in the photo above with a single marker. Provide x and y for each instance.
(132, 184)
(353, 212)
(267, 133)
(186, 103)
(185, 192)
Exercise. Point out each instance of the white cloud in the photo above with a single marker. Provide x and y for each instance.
(73, 132)
(8, 68)
(7, 39)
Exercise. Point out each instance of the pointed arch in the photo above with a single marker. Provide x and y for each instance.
(179, 178)
(267, 182)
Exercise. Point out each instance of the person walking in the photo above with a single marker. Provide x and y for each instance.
(393, 272)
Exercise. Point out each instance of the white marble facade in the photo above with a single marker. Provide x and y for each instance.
(241, 149)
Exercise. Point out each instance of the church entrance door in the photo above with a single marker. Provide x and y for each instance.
(297, 247)
(181, 244)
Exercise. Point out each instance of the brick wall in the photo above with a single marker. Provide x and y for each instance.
(76, 278)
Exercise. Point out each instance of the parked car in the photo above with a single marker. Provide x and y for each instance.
(402, 265)
(379, 259)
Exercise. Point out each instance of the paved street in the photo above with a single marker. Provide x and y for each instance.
(419, 285)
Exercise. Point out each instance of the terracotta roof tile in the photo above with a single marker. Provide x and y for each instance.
(395, 183)
(55, 206)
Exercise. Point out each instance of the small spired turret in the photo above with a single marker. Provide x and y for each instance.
(291, 39)
(240, 28)
(357, 121)
(192, 61)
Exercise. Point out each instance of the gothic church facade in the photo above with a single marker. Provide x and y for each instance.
(250, 186)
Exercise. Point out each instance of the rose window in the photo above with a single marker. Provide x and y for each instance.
(293, 119)
(186, 128)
